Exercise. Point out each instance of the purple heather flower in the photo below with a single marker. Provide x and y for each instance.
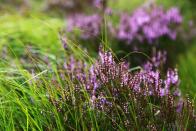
(101, 4)
(172, 78)
(108, 11)
(72, 63)
(173, 15)
(124, 31)
(64, 42)
(180, 106)
(105, 70)
(143, 24)
(140, 17)
(157, 60)
(93, 78)
(177, 92)
(164, 91)
(97, 3)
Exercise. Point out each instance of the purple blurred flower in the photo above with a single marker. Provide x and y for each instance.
(101, 4)
(108, 11)
(88, 25)
(97, 3)
(143, 24)
(64, 42)
(173, 15)
(180, 106)
(172, 78)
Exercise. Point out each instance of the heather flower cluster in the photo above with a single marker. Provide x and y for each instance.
(158, 59)
(107, 70)
(114, 89)
(172, 79)
(143, 25)
(98, 3)
(149, 25)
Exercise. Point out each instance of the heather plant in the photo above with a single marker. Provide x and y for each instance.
(124, 97)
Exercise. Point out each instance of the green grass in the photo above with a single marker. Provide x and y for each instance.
(187, 70)
(25, 103)
(126, 4)
(39, 31)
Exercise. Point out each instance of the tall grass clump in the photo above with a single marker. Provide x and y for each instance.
(186, 68)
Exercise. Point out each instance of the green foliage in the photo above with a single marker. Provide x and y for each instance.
(41, 32)
(187, 70)
(125, 4)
